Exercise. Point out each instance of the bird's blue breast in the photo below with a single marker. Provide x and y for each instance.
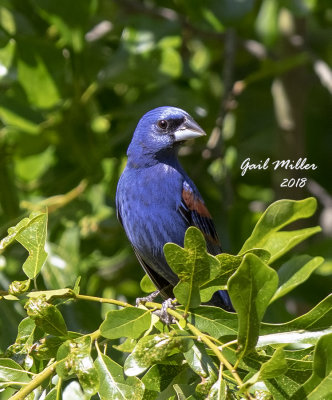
(148, 200)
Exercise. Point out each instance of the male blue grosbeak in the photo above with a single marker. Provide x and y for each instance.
(156, 200)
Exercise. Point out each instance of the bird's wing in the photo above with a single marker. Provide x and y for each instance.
(164, 287)
(195, 212)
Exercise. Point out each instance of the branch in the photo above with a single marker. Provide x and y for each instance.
(204, 338)
(36, 381)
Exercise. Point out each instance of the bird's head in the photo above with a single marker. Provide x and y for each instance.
(159, 132)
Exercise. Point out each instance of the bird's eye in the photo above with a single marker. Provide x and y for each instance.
(163, 124)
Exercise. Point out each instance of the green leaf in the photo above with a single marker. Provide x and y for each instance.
(214, 321)
(70, 22)
(272, 368)
(113, 385)
(75, 359)
(19, 287)
(319, 384)
(171, 62)
(27, 334)
(294, 272)
(33, 238)
(31, 233)
(251, 289)
(19, 115)
(12, 374)
(48, 348)
(34, 73)
(267, 234)
(32, 167)
(228, 265)
(152, 349)
(202, 364)
(317, 319)
(267, 21)
(50, 295)
(147, 285)
(127, 346)
(46, 316)
(193, 265)
(52, 394)
(25, 331)
(128, 322)
(219, 389)
(159, 376)
(283, 386)
(298, 337)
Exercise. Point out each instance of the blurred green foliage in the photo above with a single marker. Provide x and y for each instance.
(76, 78)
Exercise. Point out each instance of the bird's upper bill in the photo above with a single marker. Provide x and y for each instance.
(189, 129)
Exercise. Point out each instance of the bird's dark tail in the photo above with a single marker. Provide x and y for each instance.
(221, 299)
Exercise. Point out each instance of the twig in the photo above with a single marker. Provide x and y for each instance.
(36, 381)
(58, 201)
(102, 300)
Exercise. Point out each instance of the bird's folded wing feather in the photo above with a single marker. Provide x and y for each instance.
(195, 212)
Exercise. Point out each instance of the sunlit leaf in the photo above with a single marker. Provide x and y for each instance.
(159, 376)
(146, 285)
(48, 348)
(215, 321)
(49, 295)
(75, 359)
(251, 289)
(219, 389)
(31, 233)
(298, 337)
(267, 233)
(128, 322)
(12, 374)
(18, 115)
(33, 72)
(202, 364)
(113, 385)
(152, 349)
(193, 265)
(267, 21)
(272, 368)
(294, 272)
(319, 385)
(46, 316)
(317, 319)
(228, 265)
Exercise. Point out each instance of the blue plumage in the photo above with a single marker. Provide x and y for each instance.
(156, 200)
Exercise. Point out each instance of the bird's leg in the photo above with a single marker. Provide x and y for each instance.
(163, 314)
(150, 297)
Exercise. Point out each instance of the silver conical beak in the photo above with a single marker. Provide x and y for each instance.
(188, 130)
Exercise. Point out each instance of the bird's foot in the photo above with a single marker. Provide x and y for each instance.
(150, 297)
(164, 315)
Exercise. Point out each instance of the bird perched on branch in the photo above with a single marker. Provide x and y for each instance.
(156, 200)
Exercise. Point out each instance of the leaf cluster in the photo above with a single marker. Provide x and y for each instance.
(206, 353)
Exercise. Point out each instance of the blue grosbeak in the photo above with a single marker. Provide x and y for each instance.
(156, 200)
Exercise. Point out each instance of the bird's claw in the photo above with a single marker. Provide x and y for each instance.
(163, 314)
(150, 297)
